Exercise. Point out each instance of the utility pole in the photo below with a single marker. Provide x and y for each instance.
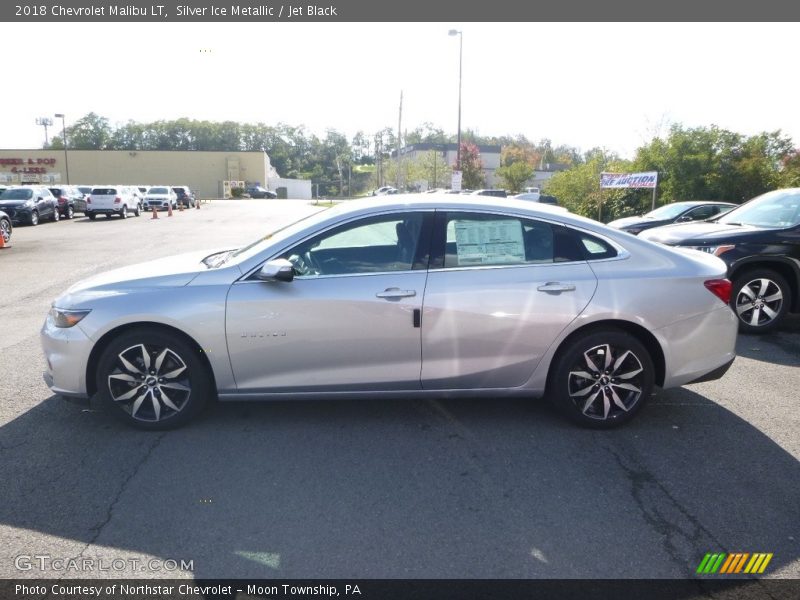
(45, 122)
(399, 124)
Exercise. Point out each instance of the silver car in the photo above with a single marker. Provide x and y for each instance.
(402, 296)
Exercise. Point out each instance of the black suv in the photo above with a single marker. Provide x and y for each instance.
(70, 200)
(760, 243)
(185, 196)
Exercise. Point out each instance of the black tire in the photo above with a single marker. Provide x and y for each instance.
(91, 216)
(123, 212)
(56, 215)
(136, 210)
(70, 212)
(34, 221)
(621, 378)
(5, 230)
(135, 393)
(760, 298)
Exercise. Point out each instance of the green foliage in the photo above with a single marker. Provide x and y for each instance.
(515, 175)
(237, 192)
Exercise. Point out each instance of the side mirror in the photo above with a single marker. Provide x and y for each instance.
(279, 269)
(684, 219)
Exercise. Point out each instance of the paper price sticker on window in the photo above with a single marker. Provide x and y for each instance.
(489, 242)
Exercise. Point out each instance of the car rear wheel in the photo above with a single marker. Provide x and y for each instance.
(5, 230)
(136, 210)
(56, 215)
(760, 299)
(603, 379)
(91, 216)
(34, 218)
(123, 213)
(152, 379)
(70, 212)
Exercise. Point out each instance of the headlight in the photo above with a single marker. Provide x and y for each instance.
(29, 203)
(67, 318)
(715, 250)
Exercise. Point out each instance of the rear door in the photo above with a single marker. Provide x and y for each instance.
(103, 198)
(500, 289)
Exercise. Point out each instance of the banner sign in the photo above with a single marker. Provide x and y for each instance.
(629, 180)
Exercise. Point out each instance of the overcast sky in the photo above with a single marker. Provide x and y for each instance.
(582, 84)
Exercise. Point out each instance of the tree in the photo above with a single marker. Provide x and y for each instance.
(91, 132)
(515, 175)
(471, 167)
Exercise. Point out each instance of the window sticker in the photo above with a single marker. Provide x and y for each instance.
(489, 242)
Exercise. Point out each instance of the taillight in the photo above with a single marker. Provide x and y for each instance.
(721, 288)
(88, 199)
(117, 200)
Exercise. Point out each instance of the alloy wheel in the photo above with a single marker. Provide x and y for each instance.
(5, 230)
(759, 302)
(149, 382)
(605, 382)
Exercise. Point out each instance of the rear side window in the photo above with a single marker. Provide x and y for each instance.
(595, 248)
(104, 192)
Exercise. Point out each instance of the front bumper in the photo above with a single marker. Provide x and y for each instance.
(66, 351)
(20, 216)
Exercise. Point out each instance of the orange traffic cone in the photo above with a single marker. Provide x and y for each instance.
(169, 209)
(3, 244)
(155, 213)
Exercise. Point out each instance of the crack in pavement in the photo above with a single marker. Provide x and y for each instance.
(644, 482)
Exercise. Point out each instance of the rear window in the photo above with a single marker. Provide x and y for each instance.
(596, 249)
(104, 191)
(57, 191)
(158, 190)
(17, 194)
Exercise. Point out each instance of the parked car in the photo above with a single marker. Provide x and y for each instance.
(676, 212)
(537, 197)
(28, 204)
(86, 190)
(160, 197)
(5, 227)
(70, 200)
(384, 191)
(184, 196)
(760, 243)
(110, 200)
(435, 295)
(257, 191)
(495, 193)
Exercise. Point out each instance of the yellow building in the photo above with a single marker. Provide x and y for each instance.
(204, 172)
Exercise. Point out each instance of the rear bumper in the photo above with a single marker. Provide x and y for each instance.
(104, 211)
(700, 348)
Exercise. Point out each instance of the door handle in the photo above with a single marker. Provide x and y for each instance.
(392, 293)
(556, 286)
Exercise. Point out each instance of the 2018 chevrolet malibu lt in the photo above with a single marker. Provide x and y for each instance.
(404, 296)
(676, 212)
(760, 243)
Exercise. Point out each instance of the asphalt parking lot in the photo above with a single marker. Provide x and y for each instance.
(389, 489)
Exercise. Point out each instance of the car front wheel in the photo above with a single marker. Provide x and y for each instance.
(152, 379)
(760, 299)
(34, 218)
(603, 379)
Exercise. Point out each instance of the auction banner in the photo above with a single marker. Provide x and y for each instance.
(629, 180)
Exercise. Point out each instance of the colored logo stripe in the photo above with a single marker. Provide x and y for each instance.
(728, 564)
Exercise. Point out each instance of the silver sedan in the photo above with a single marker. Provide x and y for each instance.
(400, 296)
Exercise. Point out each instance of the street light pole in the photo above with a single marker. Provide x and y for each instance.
(64, 138)
(460, 62)
(44, 122)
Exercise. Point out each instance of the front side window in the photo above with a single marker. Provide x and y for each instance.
(373, 245)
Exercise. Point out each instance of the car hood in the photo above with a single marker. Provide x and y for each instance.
(699, 232)
(174, 271)
(12, 203)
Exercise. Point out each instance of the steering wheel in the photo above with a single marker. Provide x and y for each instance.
(304, 265)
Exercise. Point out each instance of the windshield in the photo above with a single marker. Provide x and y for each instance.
(16, 194)
(286, 231)
(157, 190)
(776, 210)
(668, 211)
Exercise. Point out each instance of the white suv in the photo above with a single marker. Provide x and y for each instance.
(112, 200)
